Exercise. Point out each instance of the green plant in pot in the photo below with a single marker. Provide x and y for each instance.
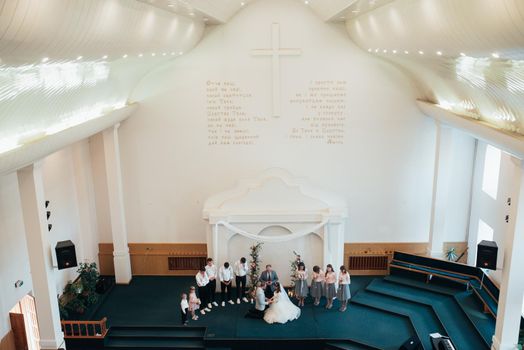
(451, 254)
(79, 295)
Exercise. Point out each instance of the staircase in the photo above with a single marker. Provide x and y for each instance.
(164, 337)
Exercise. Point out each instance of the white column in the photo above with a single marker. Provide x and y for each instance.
(334, 244)
(116, 206)
(85, 198)
(512, 286)
(31, 186)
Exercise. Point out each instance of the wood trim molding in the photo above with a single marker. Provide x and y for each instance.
(8, 341)
(151, 259)
(381, 249)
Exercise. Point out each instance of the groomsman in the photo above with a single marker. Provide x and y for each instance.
(211, 272)
(202, 281)
(269, 277)
(240, 270)
(226, 279)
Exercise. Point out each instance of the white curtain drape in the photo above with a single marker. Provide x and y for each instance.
(283, 238)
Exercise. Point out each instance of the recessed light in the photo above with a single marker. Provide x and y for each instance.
(495, 55)
(79, 57)
(394, 51)
(191, 13)
(153, 54)
(45, 59)
(124, 56)
(181, 53)
(306, 2)
(406, 52)
(420, 52)
(376, 50)
(369, 50)
(172, 53)
(104, 57)
(242, 3)
(463, 54)
(385, 51)
(163, 54)
(140, 55)
(170, 5)
(439, 53)
(355, 11)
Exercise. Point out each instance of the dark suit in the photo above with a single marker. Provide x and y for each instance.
(267, 277)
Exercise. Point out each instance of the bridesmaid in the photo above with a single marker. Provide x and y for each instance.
(301, 289)
(330, 290)
(316, 284)
(344, 294)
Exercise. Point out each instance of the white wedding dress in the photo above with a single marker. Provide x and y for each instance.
(281, 310)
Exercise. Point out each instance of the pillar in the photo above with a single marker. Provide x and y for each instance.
(121, 257)
(31, 186)
(512, 286)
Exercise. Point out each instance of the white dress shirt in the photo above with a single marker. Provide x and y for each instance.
(202, 280)
(184, 305)
(225, 274)
(240, 269)
(211, 271)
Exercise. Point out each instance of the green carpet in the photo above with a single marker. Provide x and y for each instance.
(155, 300)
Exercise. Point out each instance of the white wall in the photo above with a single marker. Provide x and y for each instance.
(14, 259)
(384, 168)
(493, 211)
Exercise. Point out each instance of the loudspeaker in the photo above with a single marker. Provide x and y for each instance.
(65, 254)
(487, 255)
(411, 344)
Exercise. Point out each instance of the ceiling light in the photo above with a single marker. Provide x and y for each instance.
(355, 11)
(306, 2)
(342, 17)
(140, 55)
(463, 54)
(181, 53)
(163, 54)
(439, 53)
(125, 56)
(242, 3)
(376, 50)
(45, 59)
(369, 50)
(171, 5)
(406, 52)
(104, 57)
(495, 55)
(420, 52)
(394, 51)
(172, 53)
(79, 57)
(153, 54)
(385, 51)
(191, 13)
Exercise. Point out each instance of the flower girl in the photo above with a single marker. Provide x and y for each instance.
(316, 284)
(301, 289)
(194, 303)
(330, 291)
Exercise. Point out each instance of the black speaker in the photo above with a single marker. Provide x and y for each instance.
(65, 255)
(487, 255)
(411, 344)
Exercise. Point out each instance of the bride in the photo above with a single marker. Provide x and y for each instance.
(281, 309)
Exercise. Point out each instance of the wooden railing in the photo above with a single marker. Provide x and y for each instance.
(368, 262)
(85, 329)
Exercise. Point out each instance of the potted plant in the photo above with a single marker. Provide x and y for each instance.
(451, 254)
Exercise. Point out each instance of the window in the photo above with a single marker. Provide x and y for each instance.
(485, 232)
(490, 178)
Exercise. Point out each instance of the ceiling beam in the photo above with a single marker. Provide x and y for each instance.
(29, 153)
(509, 142)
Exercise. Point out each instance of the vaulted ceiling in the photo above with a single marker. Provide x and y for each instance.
(63, 62)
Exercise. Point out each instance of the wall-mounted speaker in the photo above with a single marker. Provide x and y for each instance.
(65, 255)
(487, 255)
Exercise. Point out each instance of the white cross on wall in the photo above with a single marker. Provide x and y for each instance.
(275, 52)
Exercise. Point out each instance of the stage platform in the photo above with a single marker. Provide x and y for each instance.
(154, 301)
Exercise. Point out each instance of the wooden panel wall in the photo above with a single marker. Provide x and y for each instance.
(152, 258)
(8, 342)
(380, 249)
(459, 248)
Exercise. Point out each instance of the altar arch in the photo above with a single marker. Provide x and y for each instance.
(286, 213)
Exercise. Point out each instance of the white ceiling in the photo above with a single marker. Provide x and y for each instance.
(63, 62)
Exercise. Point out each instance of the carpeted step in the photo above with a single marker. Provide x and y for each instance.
(157, 331)
(153, 343)
(467, 301)
(422, 317)
(459, 328)
(342, 345)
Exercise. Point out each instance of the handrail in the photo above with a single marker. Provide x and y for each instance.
(85, 329)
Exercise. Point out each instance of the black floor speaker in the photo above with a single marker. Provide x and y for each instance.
(411, 344)
(487, 255)
(65, 255)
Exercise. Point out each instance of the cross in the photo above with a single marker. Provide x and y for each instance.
(275, 52)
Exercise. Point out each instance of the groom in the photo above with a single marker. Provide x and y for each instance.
(261, 303)
(269, 278)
